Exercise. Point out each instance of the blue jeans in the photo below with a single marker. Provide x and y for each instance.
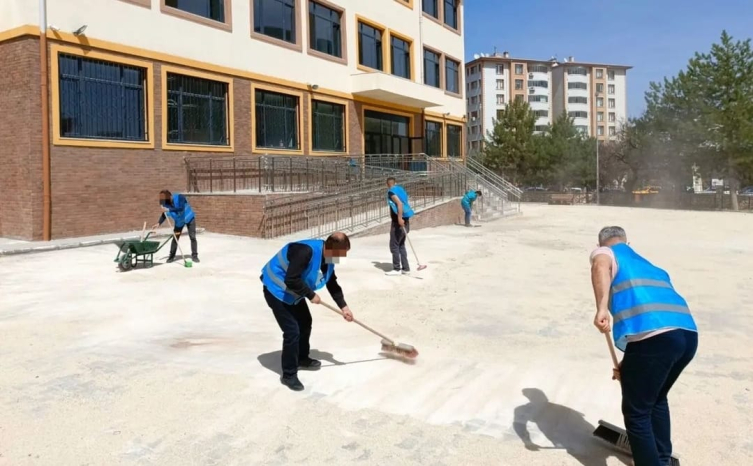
(467, 210)
(649, 369)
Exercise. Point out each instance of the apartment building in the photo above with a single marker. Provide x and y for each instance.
(593, 95)
(135, 86)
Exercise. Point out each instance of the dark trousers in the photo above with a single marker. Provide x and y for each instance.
(467, 210)
(397, 246)
(649, 369)
(191, 234)
(295, 322)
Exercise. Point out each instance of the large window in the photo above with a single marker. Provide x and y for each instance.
(599, 88)
(519, 68)
(600, 101)
(518, 84)
(431, 7)
(578, 114)
(370, 47)
(328, 126)
(612, 103)
(452, 75)
(610, 75)
(577, 70)
(451, 13)
(433, 139)
(541, 113)
(500, 99)
(432, 75)
(210, 9)
(538, 98)
(538, 69)
(401, 58)
(544, 84)
(583, 86)
(325, 30)
(276, 120)
(577, 100)
(500, 84)
(197, 111)
(101, 100)
(276, 18)
(454, 141)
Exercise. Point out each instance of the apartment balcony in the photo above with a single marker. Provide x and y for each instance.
(538, 76)
(395, 90)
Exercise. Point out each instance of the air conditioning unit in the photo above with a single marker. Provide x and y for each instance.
(530, 75)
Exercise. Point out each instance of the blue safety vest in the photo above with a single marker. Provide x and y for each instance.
(403, 196)
(273, 274)
(468, 199)
(181, 211)
(642, 298)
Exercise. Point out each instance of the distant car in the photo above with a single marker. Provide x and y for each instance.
(576, 190)
(747, 191)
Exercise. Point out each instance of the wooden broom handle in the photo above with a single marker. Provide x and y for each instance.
(616, 363)
(334, 309)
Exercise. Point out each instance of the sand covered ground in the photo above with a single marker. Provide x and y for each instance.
(175, 366)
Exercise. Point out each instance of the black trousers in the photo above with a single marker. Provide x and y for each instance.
(397, 246)
(295, 322)
(191, 234)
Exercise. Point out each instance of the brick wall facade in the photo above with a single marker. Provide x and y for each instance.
(448, 213)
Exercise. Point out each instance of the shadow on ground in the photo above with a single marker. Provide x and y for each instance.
(564, 427)
(383, 266)
(271, 361)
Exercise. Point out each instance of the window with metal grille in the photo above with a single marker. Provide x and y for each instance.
(276, 120)
(433, 139)
(325, 34)
(577, 114)
(275, 18)
(101, 100)
(452, 75)
(370, 46)
(583, 86)
(400, 57)
(210, 9)
(454, 141)
(197, 111)
(328, 126)
(431, 68)
(538, 98)
(431, 7)
(451, 13)
(577, 100)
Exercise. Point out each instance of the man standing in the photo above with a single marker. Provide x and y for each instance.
(652, 324)
(467, 204)
(178, 208)
(296, 272)
(400, 212)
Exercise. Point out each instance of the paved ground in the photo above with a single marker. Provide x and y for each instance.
(175, 366)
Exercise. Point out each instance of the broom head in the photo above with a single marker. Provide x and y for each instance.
(400, 349)
(421, 267)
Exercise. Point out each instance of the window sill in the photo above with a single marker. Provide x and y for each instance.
(196, 147)
(327, 153)
(145, 3)
(433, 86)
(369, 69)
(103, 143)
(454, 94)
(450, 28)
(269, 150)
(407, 4)
(297, 47)
(226, 26)
(328, 57)
(431, 18)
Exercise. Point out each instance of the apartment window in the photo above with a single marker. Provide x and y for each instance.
(538, 98)
(577, 100)
(519, 98)
(370, 47)
(612, 117)
(400, 57)
(541, 128)
(538, 69)
(599, 116)
(600, 130)
(101, 100)
(500, 114)
(577, 114)
(454, 141)
(519, 69)
(474, 100)
(500, 99)
(452, 75)
(582, 129)
(500, 69)
(599, 73)
(473, 69)
(474, 145)
(579, 70)
(276, 120)
(518, 84)
(197, 110)
(451, 13)
(542, 84)
(474, 85)
(210, 9)
(325, 30)
(433, 139)
(432, 75)
(474, 115)
(467, 72)
(276, 19)
(610, 89)
(474, 129)
(610, 75)
(612, 131)
(328, 126)
(431, 7)
(599, 101)
(600, 88)
(611, 103)
(500, 84)
(541, 113)
(582, 86)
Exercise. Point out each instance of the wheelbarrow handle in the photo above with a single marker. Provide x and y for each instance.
(147, 236)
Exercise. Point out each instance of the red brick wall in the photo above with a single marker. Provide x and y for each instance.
(448, 213)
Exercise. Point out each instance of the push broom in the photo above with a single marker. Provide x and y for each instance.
(609, 432)
(186, 263)
(420, 266)
(388, 345)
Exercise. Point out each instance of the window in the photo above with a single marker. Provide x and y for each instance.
(612, 117)
(519, 98)
(328, 127)
(577, 114)
(583, 86)
(612, 131)
(474, 85)
(276, 120)
(610, 89)
(599, 73)
(454, 141)
(474, 115)
(500, 99)
(541, 113)
(432, 75)
(600, 130)
(451, 13)
(452, 75)
(433, 140)
(577, 70)
(600, 101)
(500, 114)
(611, 103)
(599, 116)
(610, 75)
(431, 7)
(500, 69)
(209, 9)
(538, 98)
(474, 129)
(101, 99)
(475, 145)
(541, 128)
(500, 84)
(401, 59)
(197, 111)
(599, 87)
(370, 47)
(474, 100)
(518, 84)
(577, 100)
(276, 19)
(582, 129)
(519, 68)
(543, 84)
(325, 30)
(538, 69)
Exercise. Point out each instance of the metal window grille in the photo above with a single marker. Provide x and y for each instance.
(197, 111)
(101, 100)
(433, 139)
(325, 33)
(400, 58)
(275, 18)
(210, 9)
(277, 120)
(328, 127)
(452, 77)
(370, 46)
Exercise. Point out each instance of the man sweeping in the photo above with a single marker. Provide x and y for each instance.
(293, 275)
(178, 208)
(467, 204)
(652, 324)
(400, 213)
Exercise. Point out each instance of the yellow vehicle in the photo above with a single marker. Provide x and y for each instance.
(648, 190)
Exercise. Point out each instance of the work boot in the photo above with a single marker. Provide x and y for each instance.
(171, 259)
(195, 259)
(292, 383)
(309, 364)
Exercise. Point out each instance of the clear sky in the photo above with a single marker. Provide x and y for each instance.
(656, 37)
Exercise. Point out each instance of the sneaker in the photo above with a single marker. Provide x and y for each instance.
(171, 259)
(309, 364)
(406, 272)
(393, 273)
(195, 259)
(292, 383)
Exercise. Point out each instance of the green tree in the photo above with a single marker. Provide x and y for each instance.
(509, 146)
(565, 156)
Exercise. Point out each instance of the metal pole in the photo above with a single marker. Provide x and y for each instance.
(597, 170)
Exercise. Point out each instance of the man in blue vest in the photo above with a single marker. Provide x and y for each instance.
(400, 213)
(178, 208)
(467, 204)
(652, 324)
(293, 275)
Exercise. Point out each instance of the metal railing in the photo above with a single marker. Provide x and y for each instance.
(513, 191)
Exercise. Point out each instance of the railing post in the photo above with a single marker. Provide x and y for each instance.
(235, 176)
(211, 178)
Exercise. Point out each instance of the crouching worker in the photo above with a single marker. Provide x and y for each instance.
(178, 208)
(467, 204)
(293, 275)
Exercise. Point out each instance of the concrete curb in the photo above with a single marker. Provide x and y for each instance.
(81, 244)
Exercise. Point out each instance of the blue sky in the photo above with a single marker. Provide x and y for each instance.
(656, 37)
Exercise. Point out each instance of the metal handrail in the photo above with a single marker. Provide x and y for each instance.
(478, 167)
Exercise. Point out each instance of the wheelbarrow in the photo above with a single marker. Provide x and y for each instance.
(133, 253)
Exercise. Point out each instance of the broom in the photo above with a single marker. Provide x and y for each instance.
(388, 345)
(186, 263)
(610, 433)
(420, 266)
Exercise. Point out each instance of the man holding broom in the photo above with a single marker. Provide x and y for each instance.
(178, 208)
(293, 275)
(652, 324)
(400, 212)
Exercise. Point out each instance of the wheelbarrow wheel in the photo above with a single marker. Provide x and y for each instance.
(127, 263)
